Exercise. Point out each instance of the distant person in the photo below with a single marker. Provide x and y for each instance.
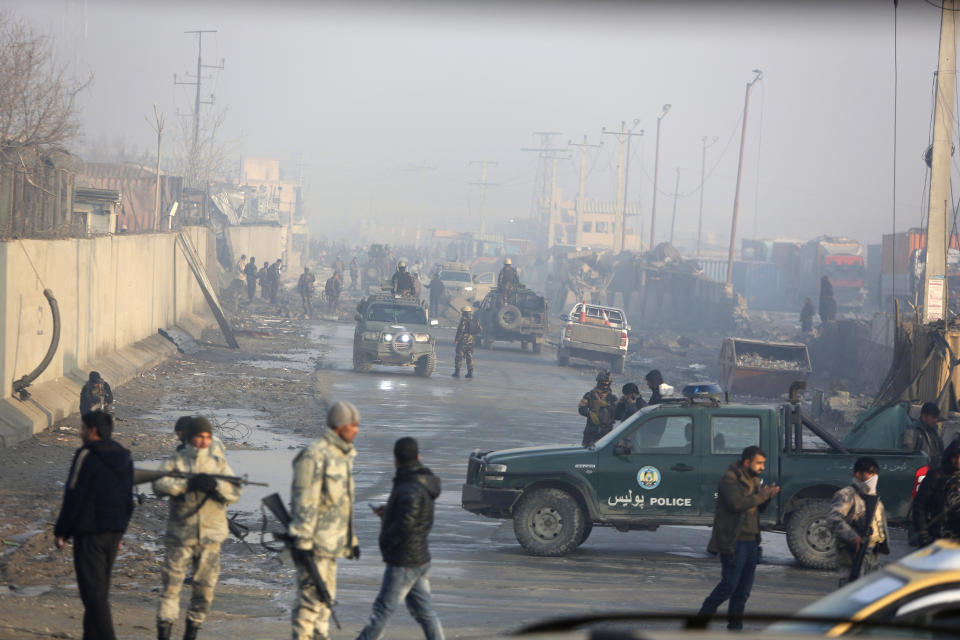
(273, 280)
(508, 281)
(828, 304)
(264, 279)
(929, 504)
(924, 434)
(654, 381)
(849, 510)
(597, 406)
(629, 403)
(402, 282)
(806, 316)
(354, 274)
(406, 521)
(96, 509)
(241, 263)
(250, 271)
(332, 290)
(96, 395)
(736, 534)
(305, 289)
(438, 294)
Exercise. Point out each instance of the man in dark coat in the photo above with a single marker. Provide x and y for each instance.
(97, 505)
(406, 522)
(828, 303)
(924, 434)
(806, 316)
(438, 294)
(630, 402)
(654, 379)
(273, 280)
(736, 533)
(250, 271)
(96, 395)
(928, 506)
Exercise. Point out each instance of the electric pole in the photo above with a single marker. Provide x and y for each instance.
(623, 175)
(484, 164)
(582, 196)
(656, 173)
(546, 152)
(158, 128)
(736, 195)
(194, 147)
(676, 196)
(703, 170)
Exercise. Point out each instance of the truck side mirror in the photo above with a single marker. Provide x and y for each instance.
(623, 448)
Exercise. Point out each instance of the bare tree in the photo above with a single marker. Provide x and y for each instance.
(213, 157)
(38, 97)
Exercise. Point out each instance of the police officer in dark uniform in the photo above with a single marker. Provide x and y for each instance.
(466, 330)
(402, 281)
(598, 406)
(928, 506)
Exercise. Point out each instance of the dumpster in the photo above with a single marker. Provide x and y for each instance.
(764, 369)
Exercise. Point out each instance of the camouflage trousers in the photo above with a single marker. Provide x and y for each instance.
(311, 618)
(463, 351)
(204, 559)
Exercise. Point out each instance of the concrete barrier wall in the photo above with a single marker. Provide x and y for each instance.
(112, 292)
(263, 242)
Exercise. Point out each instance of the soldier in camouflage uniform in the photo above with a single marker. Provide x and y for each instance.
(322, 516)
(196, 526)
(467, 328)
(848, 510)
(597, 406)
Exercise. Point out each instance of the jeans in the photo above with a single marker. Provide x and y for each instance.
(736, 581)
(93, 556)
(412, 585)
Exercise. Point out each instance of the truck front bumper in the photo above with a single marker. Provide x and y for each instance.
(492, 503)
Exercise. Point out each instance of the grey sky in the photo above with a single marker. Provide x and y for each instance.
(364, 90)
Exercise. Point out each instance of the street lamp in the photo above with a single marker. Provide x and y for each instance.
(736, 196)
(656, 171)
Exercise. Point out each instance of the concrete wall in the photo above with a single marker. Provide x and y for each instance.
(265, 242)
(113, 293)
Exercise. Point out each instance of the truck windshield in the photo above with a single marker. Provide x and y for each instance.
(396, 313)
(456, 276)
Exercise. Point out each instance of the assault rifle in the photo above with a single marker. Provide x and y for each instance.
(865, 535)
(141, 476)
(274, 503)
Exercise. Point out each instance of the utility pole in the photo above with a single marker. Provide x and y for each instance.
(582, 196)
(935, 264)
(656, 172)
(546, 152)
(484, 164)
(736, 195)
(676, 196)
(194, 147)
(158, 128)
(703, 169)
(623, 176)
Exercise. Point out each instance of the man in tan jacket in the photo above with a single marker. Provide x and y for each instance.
(196, 526)
(322, 516)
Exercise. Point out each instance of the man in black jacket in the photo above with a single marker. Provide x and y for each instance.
(407, 519)
(96, 395)
(97, 505)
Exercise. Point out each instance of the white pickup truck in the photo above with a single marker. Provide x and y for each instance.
(594, 332)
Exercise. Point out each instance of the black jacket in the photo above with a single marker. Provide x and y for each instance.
(95, 396)
(98, 497)
(409, 517)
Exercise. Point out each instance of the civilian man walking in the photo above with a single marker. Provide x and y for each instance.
(97, 505)
(407, 520)
(736, 533)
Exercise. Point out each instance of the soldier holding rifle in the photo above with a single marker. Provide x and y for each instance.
(859, 522)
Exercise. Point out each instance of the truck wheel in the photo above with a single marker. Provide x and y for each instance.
(425, 365)
(587, 529)
(548, 522)
(361, 364)
(563, 358)
(509, 317)
(619, 365)
(809, 536)
(537, 346)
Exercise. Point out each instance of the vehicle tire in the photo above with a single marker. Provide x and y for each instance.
(809, 536)
(537, 347)
(619, 365)
(361, 364)
(563, 359)
(548, 522)
(426, 364)
(587, 529)
(509, 317)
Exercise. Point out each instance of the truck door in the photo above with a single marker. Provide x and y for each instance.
(728, 436)
(651, 469)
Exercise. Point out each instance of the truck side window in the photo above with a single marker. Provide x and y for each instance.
(666, 434)
(733, 434)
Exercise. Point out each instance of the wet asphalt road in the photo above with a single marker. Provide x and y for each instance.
(482, 580)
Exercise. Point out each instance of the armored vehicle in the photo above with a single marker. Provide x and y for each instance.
(523, 320)
(394, 331)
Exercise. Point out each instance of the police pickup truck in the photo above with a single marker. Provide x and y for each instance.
(662, 466)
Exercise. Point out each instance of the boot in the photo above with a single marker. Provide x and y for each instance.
(192, 629)
(456, 373)
(469, 373)
(164, 629)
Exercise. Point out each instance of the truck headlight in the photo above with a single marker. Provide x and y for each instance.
(468, 288)
(421, 337)
(388, 337)
(370, 335)
(496, 468)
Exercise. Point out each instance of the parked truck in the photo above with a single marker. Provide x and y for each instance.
(662, 466)
(841, 260)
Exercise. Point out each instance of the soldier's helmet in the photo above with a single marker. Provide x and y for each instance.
(604, 378)
(402, 265)
(467, 309)
(508, 261)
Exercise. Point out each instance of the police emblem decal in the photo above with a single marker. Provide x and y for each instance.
(648, 477)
